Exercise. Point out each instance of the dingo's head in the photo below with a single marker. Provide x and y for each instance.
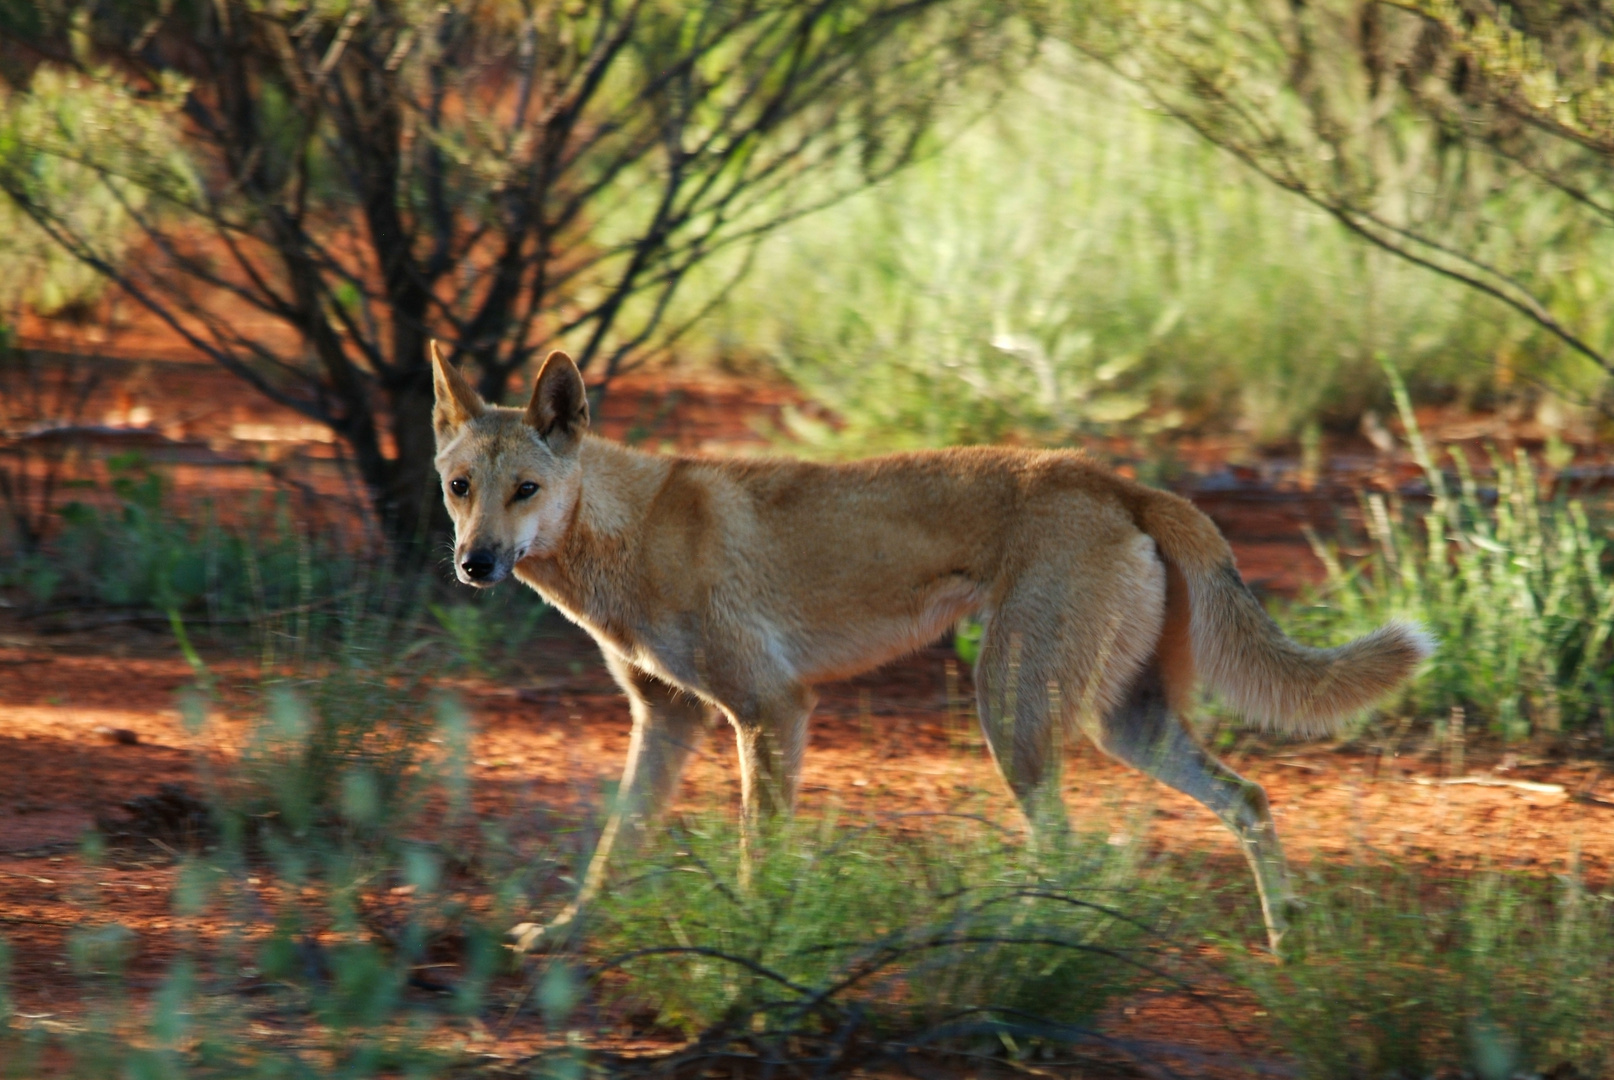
(510, 476)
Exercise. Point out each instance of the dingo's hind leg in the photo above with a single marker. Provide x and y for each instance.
(1014, 692)
(1058, 647)
(668, 726)
(1143, 731)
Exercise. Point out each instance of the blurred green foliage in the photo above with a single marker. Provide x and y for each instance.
(1473, 140)
(1078, 263)
(335, 781)
(342, 957)
(1496, 976)
(138, 549)
(330, 804)
(84, 144)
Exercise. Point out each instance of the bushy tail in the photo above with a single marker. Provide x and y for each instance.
(1241, 652)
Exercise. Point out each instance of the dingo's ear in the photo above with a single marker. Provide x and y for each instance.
(558, 410)
(457, 403)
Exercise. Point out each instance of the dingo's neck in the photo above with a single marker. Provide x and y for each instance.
(587, 577)
(618, 485)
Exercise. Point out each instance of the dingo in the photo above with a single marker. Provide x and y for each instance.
(740, 585)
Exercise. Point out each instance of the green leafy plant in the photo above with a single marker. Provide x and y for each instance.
(1514, 580)
(62, 107)
(138, 547)
(1496, 975)
(489, 631)
(967, 640)
(950, 934)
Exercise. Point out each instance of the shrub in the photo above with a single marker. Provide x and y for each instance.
(59, 105)
(1514, 580)
(143, 551)
(947, 933)
(1496, 975)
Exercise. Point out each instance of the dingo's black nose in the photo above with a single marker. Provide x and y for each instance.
(478, 565)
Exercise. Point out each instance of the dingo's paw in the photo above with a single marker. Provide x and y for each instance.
(531, 937)
(1285, 943)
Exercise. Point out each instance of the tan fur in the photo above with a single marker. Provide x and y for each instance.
(740, 585)
(1242, 653)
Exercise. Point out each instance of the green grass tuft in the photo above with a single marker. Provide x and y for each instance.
(1513, 576)
(1397, 975)
(933, 930)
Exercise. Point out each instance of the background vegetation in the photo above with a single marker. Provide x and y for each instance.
(40, 274)
(1512, 576)
(1471, 139)
(1078, 261)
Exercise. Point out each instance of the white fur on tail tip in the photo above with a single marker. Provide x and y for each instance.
(1422, 641)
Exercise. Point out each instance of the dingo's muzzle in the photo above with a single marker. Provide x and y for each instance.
(480, 567)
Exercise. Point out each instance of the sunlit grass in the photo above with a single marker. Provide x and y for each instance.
(1076, 263)
(1511, 573)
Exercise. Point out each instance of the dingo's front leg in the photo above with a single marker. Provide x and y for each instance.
(770, 733)
(668, 725)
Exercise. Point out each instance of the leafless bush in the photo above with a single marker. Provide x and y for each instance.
(42, 406)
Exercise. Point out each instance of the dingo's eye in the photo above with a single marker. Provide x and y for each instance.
(460, 486)
(527, 490)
